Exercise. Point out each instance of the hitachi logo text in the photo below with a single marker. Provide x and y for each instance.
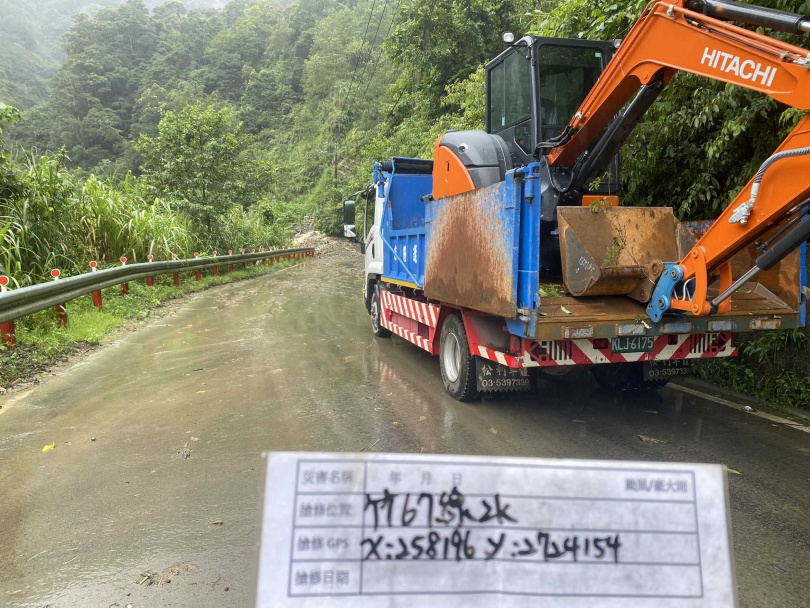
(731, 64)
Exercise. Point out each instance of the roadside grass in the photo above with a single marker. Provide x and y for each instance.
(774, 367)
(41, 343)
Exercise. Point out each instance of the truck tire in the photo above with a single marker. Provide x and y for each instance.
(625, 377)
(375, 312)
(456, 362)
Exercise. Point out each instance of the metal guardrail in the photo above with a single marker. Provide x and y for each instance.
(27, 300)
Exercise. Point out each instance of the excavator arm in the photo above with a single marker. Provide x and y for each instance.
(668, 38)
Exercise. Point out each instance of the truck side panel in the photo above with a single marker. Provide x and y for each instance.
(403, 227)
(482, 247)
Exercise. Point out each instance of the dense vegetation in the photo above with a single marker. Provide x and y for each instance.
(203, 128)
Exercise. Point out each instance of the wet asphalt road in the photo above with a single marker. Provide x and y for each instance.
(288, 362)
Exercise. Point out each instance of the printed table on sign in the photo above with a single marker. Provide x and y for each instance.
(425, 527)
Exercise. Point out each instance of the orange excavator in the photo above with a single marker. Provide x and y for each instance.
(605, 88)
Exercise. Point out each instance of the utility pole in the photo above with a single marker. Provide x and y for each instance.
(335, 154)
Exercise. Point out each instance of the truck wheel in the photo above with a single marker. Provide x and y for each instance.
(625, 377)
(456, 362)
(376, 311)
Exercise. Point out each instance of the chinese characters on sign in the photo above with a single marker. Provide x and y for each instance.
(398, 526)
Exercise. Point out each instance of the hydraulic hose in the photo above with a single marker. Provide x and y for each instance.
(770, 161)
(743, 211)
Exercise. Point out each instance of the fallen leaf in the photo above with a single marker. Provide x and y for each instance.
(565, 310)
(578, 420)
(733, 471)
(543, 314)
(198, 392)
(217, 522)
(649, 411)
(48, 448)
(493, 431)
(422, 418)
(646, 439)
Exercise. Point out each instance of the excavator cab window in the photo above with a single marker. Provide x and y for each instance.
(566, 74)
(511, 101)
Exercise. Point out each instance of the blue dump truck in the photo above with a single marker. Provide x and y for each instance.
(503, 264)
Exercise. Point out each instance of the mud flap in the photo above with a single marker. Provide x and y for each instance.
(494, 377)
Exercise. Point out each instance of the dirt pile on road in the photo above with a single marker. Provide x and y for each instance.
(325, 246)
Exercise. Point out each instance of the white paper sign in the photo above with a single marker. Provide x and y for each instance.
(380, 530)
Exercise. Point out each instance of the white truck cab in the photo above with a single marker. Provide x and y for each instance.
(370, 242)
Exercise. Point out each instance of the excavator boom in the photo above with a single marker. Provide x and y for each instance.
(691, 36)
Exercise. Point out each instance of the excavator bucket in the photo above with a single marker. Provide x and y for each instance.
(618, 250)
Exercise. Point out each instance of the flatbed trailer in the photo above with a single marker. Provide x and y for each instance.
(460, 277)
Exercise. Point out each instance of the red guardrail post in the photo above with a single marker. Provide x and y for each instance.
(244, 264)
(197, 273)
(124, 286)
(61, 310)
(216, 268)
(8, 337)
(97, 292)
(253, 251)
(230, 266)
(150, 281)
(175, 275)
(264, 260)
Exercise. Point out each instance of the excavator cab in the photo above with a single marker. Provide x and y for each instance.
(533, 90)
(535, 87)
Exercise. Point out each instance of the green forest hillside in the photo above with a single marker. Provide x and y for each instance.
(30, 42)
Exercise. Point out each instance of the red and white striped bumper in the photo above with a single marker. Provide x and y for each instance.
(549, 353)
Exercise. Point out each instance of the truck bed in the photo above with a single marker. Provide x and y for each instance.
(776, 300)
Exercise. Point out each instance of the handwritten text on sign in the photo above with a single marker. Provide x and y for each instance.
(446, 531)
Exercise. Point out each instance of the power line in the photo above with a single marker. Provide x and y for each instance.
(365, 66)
(379, 55)
(360, 52)
(421, 47)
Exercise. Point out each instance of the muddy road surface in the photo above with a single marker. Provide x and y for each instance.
(150, 496)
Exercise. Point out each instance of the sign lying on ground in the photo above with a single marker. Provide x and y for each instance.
(442, 531)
